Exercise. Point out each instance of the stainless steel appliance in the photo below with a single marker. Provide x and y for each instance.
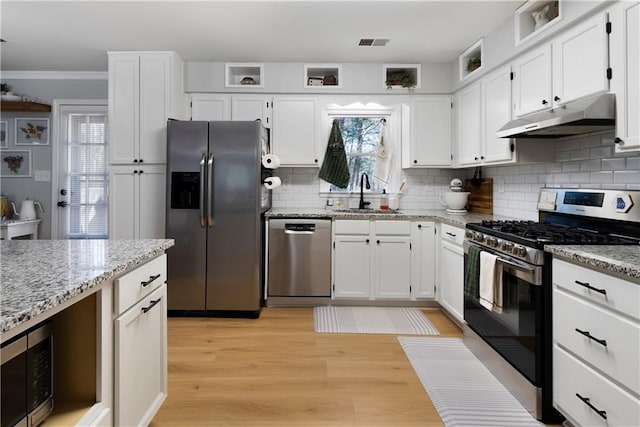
(514, 337)
(299, 258)
(27, 378)
(215, 206)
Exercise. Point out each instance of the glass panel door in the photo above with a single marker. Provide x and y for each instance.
(83, 194)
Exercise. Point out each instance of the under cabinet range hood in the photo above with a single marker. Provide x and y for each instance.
(586, 115)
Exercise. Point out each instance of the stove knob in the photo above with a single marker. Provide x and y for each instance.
(492, 241)
(469, 234)
(507, 246)
(520, 251)
(479, 237)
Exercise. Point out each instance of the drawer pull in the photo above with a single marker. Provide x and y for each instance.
(591, 337)
(588, 286)
(153, 304)
(587, 401)
(151, 279)
(450, 234)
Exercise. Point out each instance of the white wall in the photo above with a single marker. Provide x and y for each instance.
(286, 77)
(580, 162)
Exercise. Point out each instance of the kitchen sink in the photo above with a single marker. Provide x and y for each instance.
(367, 211)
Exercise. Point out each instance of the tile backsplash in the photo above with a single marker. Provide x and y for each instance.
(582, 161)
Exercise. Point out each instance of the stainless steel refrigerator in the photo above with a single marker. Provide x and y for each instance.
(215, 205)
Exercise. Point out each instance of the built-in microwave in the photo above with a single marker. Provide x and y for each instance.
(27, 378)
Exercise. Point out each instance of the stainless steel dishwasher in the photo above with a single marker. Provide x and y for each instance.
(299, 258)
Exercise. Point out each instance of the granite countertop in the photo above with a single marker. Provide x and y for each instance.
(621, 260)
(18, 221)
(458, 220)
(38, 275)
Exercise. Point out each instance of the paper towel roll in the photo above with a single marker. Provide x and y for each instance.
(271, 161)
(272, 182)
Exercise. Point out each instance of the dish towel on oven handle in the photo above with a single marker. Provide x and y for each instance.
(472, 273)
(383, 155)
(335, 169)
(488, 263)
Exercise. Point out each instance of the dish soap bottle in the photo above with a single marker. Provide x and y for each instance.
(384, 201)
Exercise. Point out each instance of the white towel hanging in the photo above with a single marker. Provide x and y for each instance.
(383, 156)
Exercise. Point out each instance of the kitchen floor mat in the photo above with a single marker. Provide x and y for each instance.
(463, 391)
(372, 320)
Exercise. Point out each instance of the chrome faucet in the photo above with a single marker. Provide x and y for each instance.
(362, 202)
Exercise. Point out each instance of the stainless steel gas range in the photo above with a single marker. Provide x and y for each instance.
(507, 303)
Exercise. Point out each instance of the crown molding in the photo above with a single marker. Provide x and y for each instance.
(54, 75)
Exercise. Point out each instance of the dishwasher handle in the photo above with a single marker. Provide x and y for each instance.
(299, 228)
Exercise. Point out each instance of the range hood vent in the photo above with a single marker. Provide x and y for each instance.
(587, 115)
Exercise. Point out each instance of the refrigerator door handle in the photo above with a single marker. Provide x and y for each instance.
(210, 191)
(202, 161)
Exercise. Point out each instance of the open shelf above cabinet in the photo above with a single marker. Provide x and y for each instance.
(401, 76)
(323, 76)
(247, 75)
(535, 16)
(471, 60)
(24, 106)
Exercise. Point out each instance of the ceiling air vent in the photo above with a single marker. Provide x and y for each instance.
(373, 42)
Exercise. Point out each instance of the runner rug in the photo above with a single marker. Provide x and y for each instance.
(463, 391)
(372, 320)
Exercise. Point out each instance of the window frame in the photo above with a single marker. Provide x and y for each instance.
(393, 116)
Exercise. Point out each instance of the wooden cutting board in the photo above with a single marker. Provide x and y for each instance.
(481, 198)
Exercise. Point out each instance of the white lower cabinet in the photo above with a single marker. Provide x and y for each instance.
(351, 266)
(383, 259)
(140, 344)
(137, 202)
(596, 346)
(423, 259)
(450, 284)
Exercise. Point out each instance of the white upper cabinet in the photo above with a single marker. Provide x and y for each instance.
(208, 106)
(469, 125)
(295, 130)
(145, 89)
(625, 82)
(496, 109)
(532, 81)
(430, 142)
(250, 108)
(572, 66)
(580, 60)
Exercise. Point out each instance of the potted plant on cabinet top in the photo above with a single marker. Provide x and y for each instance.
(473, 63)
(400, 78)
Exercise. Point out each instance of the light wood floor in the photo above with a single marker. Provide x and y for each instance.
(276, 371)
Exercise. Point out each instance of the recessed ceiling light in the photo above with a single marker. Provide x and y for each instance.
(372, 41)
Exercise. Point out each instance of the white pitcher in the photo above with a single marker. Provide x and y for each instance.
(27, 209)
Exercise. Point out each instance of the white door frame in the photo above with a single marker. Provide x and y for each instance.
(58, 104)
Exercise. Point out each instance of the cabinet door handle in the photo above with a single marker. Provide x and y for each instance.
(153, 304)
(151, 279)
(587, 401)
(556, 98)
(419, 225)
(450, 234)
(544, 102)
(367, 241)
(618, 141)
(588, 286)
(135, 160)
(591, 337)
(378, 241)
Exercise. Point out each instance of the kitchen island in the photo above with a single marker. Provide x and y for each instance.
(98, 297)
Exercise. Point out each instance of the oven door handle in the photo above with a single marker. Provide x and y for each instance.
(532, 275)
(513, 264)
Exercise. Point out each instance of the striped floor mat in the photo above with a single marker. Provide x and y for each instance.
(463, 391)
(372, 320)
